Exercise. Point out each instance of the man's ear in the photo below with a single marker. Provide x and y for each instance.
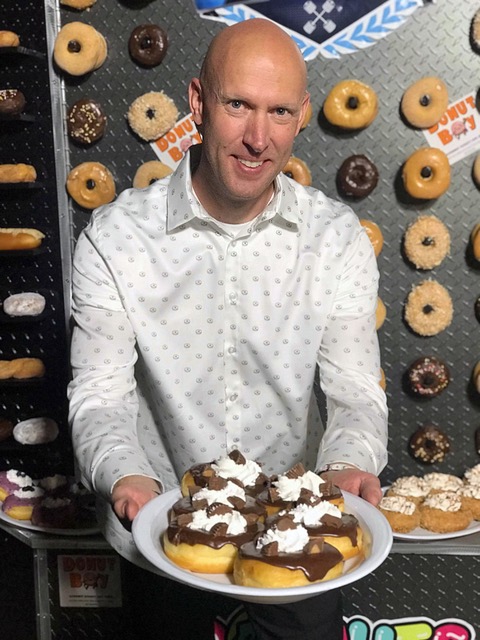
(195, 100)
(303, 111)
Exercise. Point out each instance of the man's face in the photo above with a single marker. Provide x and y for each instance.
(248, 121)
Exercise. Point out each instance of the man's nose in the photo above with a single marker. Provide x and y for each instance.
(257, 132)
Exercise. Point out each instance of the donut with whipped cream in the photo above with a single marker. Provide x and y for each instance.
(11, 480)
(444, 513)
(19, 504)
(411, 487)
(402, 514)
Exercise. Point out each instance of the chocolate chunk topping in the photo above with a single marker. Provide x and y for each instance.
(219, 529)
(270, 549)
(184, 519)
(314, 547)
(284, 523)
(218, 509)
(237, 457)
(237, 502)
(216, 483)
(297, 471)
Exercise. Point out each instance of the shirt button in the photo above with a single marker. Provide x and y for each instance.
(232, 350)
(233, 397)
(233, 297)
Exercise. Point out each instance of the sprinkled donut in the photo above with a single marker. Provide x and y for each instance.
(426, 173)
(91, 184)
(429, 308)
(150, 172)
(357, 177)
(425, 102)
(427, 242)
(86, 121)
(12, 102)
(79, 48)
(428, 377)
(298, 170)
(429, 444)
(476, 170)
(351, 105)
(152, 114)
(148, 44)
(374, 234)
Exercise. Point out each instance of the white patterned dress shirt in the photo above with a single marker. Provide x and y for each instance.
(191, 339)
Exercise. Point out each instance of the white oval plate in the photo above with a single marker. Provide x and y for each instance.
(152, 520)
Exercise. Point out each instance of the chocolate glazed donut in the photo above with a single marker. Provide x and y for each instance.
(148, 44)
(357, 177)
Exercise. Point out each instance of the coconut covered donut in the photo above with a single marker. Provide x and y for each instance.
(351, 105)
(425, 102)
(91, 184)
(152, 114)
(150, 172)
(429, 444)
(375, 235)
(427, 242)
(426, 173)
(429, 308)
(79, 48)
(298, 170)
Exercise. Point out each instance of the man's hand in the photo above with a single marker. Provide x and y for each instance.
(360, 483)
(131, 493)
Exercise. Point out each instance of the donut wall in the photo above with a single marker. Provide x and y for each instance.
(435, 41)
(33, 332)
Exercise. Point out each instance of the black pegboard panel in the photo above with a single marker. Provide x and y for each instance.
(31, 141)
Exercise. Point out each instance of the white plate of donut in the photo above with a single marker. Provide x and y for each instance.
(152, 520)
(27, 524)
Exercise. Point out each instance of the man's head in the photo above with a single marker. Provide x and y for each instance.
(249, 104)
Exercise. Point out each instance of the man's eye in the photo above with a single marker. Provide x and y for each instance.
(281, 111)
(236, 104)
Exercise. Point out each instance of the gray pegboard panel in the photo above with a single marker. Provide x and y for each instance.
(434, 41)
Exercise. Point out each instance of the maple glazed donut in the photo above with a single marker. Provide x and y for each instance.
(357, 176)
(79, 48)
(375, 235)
(150, 172)
(148, 44)
(429, 444)
(9, 39)
(428, 376)
(19, 172)
(380, 313)
(426, 173)
(298, 170)
(429, 308)
(475, 240)
(425, 102)
(351, 105)
(91, 184)
(427, 242)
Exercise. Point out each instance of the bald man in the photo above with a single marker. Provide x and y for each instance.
(240, 284)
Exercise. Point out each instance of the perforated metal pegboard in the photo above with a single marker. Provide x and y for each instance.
(434, 41)
(31, 141)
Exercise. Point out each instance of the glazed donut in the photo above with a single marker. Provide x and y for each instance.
(476, 170)
(475, 240)
(357, 177)
(426, 173)
(351, 105)
(298, 170)
(307, 117)
(21, 368)
(20, 239)
(28, 303)
(86, 121)
(475, 30)
(428, 377)
(383, 380)
(17, 173)
(427, 242)
(80, 5)
(429, 444)
(35, 431)
(429, 308)
(91, 184)
(79, 48)
(380, 314)
(148, 44)
(425, 102)
(374, 234)
(9, 39)
(152, 114)
(12, 102)
(150, 172)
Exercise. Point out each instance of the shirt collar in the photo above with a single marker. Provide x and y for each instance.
(183, 205)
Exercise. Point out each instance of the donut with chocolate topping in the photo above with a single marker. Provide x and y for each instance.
(429, 444)
(428, 376)
(12, 102)
(357, 176)
(148, 44)
(86, 121)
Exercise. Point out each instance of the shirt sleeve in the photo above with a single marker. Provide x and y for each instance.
(102, 394)
(349, 363)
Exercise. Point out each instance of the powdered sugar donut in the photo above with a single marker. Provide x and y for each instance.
(35, 431)
(24, 304)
